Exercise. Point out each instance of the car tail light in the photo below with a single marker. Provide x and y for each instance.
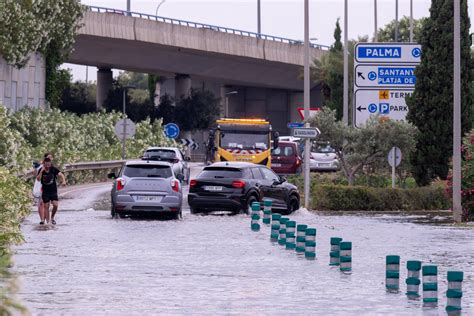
(175, 185)
(120, 184)
(192, 183)
(239, 184)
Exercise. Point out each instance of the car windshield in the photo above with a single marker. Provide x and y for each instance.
(147, 171)
(160, 154)
(244, 140)
(220, 173)
(324, 149)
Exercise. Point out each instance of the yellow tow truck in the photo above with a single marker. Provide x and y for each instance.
(249, 140)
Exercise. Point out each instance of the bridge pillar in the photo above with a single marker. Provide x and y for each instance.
(104, 85)
(182, 88)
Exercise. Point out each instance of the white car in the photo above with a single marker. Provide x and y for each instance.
(324, 158)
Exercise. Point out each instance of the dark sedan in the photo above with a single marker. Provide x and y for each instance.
(233, 186)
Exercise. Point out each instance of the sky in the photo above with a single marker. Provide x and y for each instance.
(282, 18)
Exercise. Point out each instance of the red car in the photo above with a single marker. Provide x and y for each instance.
(286, 158)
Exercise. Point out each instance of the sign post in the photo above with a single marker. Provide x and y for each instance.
(394, 159)
(384, 76)
(124, 129)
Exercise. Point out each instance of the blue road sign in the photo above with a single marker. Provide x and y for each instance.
(372, 108)
(416, 52)
(387, 53)
(384, 108)
(171, 130)
(295, 125)
(372, 75)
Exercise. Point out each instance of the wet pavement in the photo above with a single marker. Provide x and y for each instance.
(91, 264)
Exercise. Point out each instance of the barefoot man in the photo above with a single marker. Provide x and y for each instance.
(48, 175)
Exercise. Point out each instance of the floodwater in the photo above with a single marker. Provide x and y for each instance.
(91, 264)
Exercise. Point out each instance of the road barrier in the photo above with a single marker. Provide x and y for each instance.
(345, 256)
(334, 254)
(392, 273)
(282, 238)
(255, 215)
(454, 292)
(430, 285)
(413, 279)
(310, 243)
(275, 228)
(290, 234)
(267, 211)
(300, 237)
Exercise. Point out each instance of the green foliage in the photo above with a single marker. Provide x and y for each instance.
(367, 146)
(30, 26)
(198, 111)
(467, 178)
(71, 138)
(358, 198)
(387, 33)
(14, 206)
(78, 98)
(134, 79)
(166, 109)
(137, 109)
(431, 105)
(337, 46)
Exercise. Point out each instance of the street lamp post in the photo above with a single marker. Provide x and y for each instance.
(411, 21)
(457, 206)
(396, 20)
(128, 7)
(159, 5)
(124, 116)
(306, 102)
(345, 96)
(259, 25)
(226, 106)
(376, 37)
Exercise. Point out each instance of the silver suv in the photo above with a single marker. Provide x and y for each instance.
(146, 187)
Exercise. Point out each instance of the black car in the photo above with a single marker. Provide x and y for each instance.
(233, 186)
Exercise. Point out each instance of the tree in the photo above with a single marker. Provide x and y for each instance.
(337, 46)
(387, 33)
(357, 148)
(431, 105)
(166, 109)
(135, 79)
(79, 98)
(198, 111)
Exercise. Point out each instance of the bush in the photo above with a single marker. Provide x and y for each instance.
(14, 206)
(359, 198)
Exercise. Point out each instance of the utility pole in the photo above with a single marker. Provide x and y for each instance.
(376, 37)
(306, 104)
(411, 21)
(345, 101)
(396, 20)
(259, 21)
(457, 207)
(128, 7)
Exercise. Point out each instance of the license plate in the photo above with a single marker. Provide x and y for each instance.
(212, 188)
(148, 198)
(276, 164)
(324, 164)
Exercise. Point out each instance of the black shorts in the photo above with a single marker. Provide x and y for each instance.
(49, 196)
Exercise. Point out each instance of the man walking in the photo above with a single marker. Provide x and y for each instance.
(48, 175)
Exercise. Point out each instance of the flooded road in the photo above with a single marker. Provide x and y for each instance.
(91, 264)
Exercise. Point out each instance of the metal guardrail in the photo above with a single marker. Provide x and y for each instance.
(81, 166)
(203, 26)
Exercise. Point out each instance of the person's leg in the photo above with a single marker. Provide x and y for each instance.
(41, 210)
(55, 209)
(46, 211)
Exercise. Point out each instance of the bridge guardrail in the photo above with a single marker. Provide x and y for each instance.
(203, 26)
(81, 166)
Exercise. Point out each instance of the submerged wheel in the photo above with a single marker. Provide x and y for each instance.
(293, 204)
(250, 200)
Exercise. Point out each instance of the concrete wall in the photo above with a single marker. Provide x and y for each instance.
(23, 87)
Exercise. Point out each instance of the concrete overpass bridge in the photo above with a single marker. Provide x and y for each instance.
(263, 69)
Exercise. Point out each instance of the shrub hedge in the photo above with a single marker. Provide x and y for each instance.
(359, 198)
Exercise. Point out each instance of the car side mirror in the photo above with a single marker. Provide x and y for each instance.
(111, 175)
(180, 177)
(282, 179)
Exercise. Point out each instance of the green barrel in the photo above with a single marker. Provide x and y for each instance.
(254, 224)
(430, 285)
(300, 244)
(413, 279)
(345, 256)
(290, 240)
(310, 250)
(267, 217)
(392, 273)
(282, 237)
(454, 292)
(334, 254)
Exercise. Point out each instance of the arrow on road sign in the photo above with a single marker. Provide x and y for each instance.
(360, 74)
(189, 143)
(360, 108)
